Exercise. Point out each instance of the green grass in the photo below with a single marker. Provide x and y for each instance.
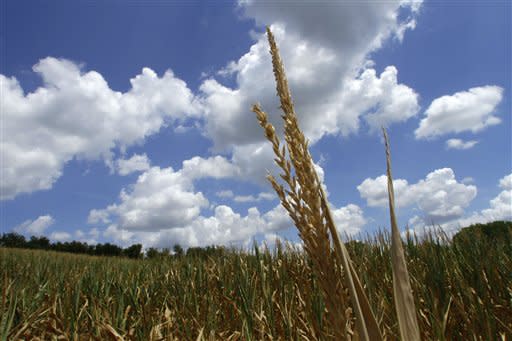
(462, 292)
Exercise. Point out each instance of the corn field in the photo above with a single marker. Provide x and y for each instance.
(463, 292)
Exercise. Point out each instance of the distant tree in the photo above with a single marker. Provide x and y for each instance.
(165, 252)
(152, 253)
(39, 243)
(77, 247)
(133, 251)
(178, 250)
(13, 239)
(206, 252)
(195, 252)
(56, 246)
(107, 249)
(494, 232)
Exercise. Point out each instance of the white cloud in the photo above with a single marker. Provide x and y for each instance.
(468, 180)
(460, 144)
(500, 207)
(470, 110)
(181, 129)
(322, 63)
(122, 236)
(225, 194)
(245, 198)
(60, 236)
(334, 89)
(94, 232)
(349, 219)
(162, 208)
(75, 114)
(96, 216)
(254, 161)
(213, 167)
(381, 99)
(251, 198)
(506, 182)
(137, 163)
(35, 227)
(351, 27)
(226, 227)
(161, 198)
(266, 196)
(439, 196)
(277, 219)
(90, 237)
(375, 191)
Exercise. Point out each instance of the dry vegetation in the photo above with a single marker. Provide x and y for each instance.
(463, 292)
(380, 289)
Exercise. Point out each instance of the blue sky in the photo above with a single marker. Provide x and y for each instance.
(130, 121)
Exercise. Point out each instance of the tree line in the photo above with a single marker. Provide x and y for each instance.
(497, 231)
(15, 240)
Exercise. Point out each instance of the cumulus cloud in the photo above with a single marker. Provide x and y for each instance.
(137, 163)
(322, 63)
(354, 28)
(381, 99)
(251, 198)
(213, 167)
(60, 236)
(506, 182)
(163, 198)
(471, 110)
(277, 219)
(226, 227)
(375, 191)
(439, 196)
(254, 161)
(121, 236)
(225, 194)
(500, 207)
(163, 208)
(90, 237)
(460, 144)
(35, 227)
(75, 114)
(349, 219)
(96, 216)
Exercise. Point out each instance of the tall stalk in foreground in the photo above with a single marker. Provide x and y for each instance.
(307, 204)
(402, 291)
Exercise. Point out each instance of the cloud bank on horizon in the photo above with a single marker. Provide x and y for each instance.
(339, 93)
